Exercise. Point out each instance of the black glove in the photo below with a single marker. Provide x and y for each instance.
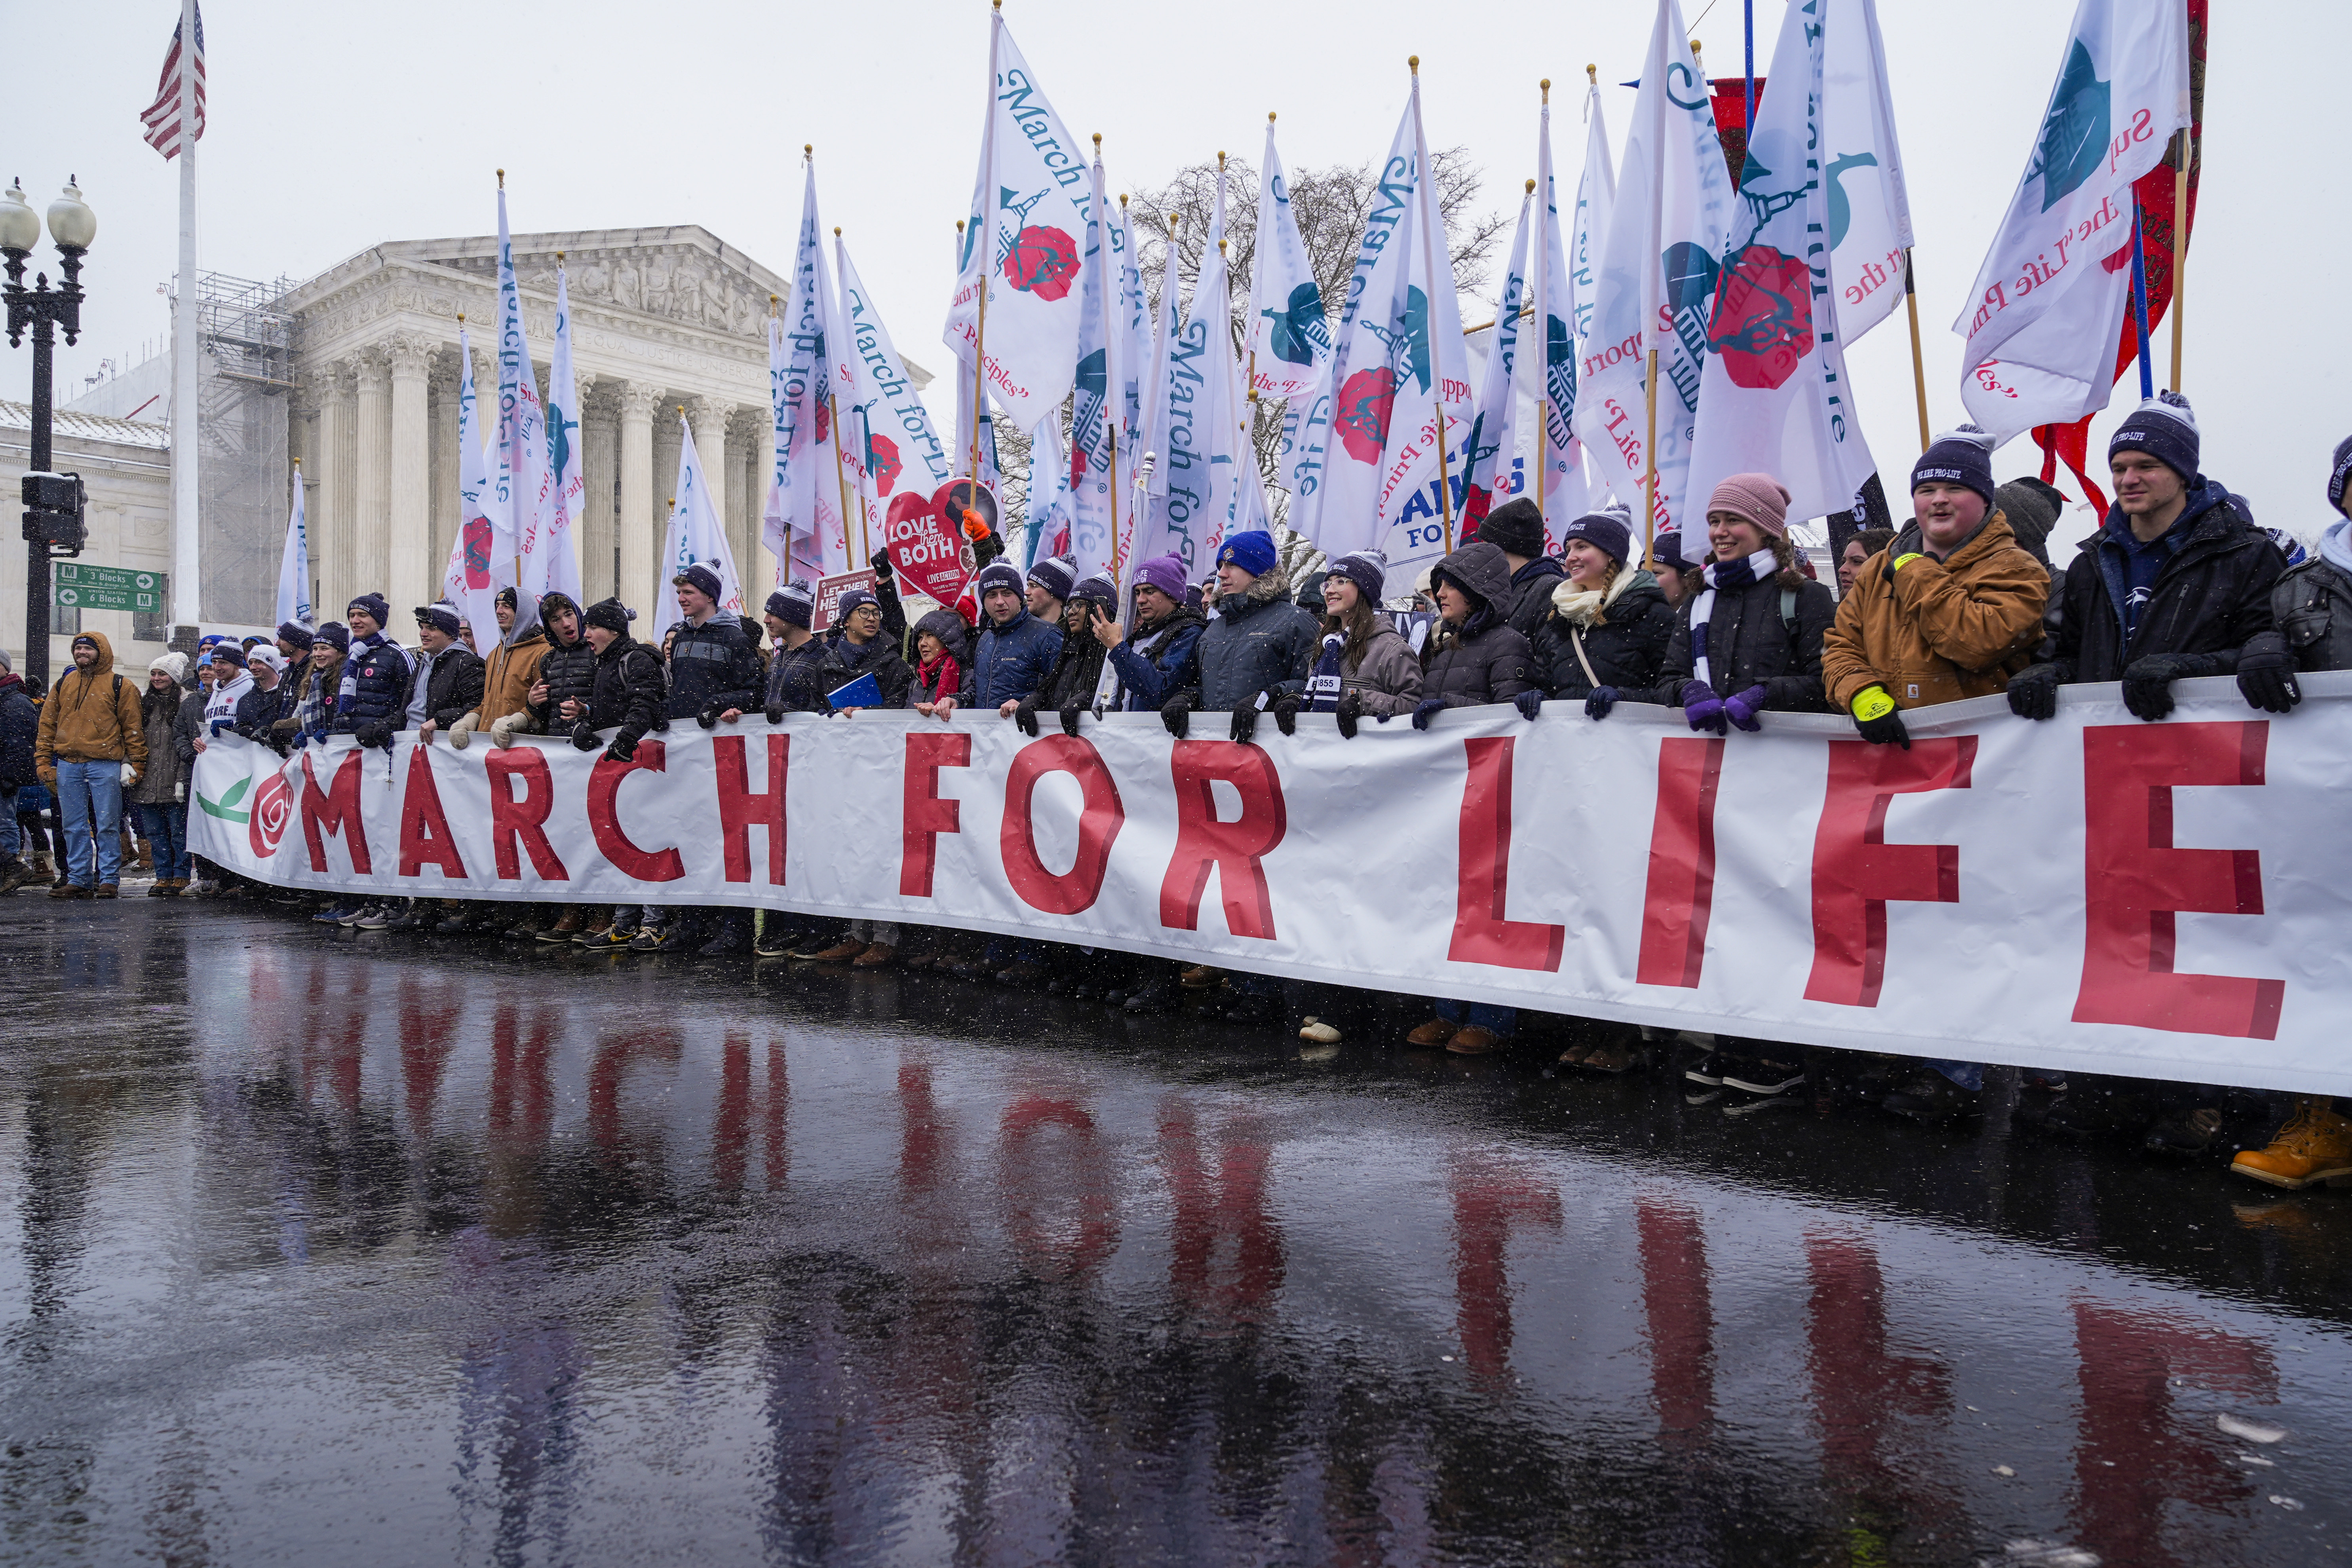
(1070, 722)
(1024, 717)
(1429, 707)
(709, 717)
(2148, 684)
(882, 565)
(1598, 703)
(1177, 714)
(775, 712)
(661, 726)
(1350, 709)
(2034, 694)
(1530, 704)
(373, 734)
(1876, 715)
(2266, 678)
(1245, 720)
(583, 736)
(1285, 707)
(622, 749)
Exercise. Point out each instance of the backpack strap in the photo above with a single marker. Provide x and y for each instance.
(1789, 611)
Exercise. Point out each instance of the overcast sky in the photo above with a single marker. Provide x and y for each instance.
(336, 127)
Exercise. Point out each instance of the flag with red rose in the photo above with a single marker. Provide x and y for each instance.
(1774, 397)
(1023, 244)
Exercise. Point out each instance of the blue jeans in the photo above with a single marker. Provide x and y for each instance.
(12, 838)
(92, 794)
(1500, 1022)
(167, 831)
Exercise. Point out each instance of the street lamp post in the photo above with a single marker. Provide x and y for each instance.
(53, 502)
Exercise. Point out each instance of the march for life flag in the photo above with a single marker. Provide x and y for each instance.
(1199, 488)
(1022, 243)
(1491, 443)
(1289, 337)
(1673, 210)
(2049, 302)
(694, 536)
(804, 526)
(294, 566)
(556, 564)
(1869, 207)
(1775, 398)
(1555, 467)
(524, 491)
(904, 462)
(1098, 445)
(470, 579)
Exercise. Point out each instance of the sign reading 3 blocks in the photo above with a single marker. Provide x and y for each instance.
(81, 586)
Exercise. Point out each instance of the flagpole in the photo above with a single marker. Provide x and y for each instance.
(985, 246)
(186, 562)
(841, 474)
(2179, 247)
(1918, 364)
(1428, 178)
(2139, 300)
(1543, 304)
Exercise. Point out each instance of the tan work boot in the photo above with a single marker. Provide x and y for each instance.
(2315, 1146)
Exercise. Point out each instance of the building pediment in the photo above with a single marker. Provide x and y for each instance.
(686, 275)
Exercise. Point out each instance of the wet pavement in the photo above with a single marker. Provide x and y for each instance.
(367, 1249)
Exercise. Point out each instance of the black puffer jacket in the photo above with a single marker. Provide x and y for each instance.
(796, 678)
(1749, 643)
(1258, 640)
(1484, 660)
(845, 661)
(629, 695)
(1531, 587)
(1625, 649)
(569, 672)
(455, 688)
(714, 662)
(2210, 598)
(20, 725)
(379, 672)
(1077, 672)
(258, 712)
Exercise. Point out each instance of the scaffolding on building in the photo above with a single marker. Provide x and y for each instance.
(245, 378)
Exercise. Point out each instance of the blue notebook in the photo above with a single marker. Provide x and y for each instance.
(863, 692)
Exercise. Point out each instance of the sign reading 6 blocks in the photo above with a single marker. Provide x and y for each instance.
(82, 587)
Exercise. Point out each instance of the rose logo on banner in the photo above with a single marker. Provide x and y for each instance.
(273, 808)
(1366, 401)
(1763, 322)
(1042, 261)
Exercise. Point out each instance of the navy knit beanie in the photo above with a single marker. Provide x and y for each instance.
(1368, 570)
(1055, 574)
(793, 603)
(374, 605)
(296, 634)
(2165, 427)
(1959, 456)
(998, 574)
(1611, 529)
(2339, 473)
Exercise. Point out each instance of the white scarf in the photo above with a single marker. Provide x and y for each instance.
(1578, 607)
(1737, 574)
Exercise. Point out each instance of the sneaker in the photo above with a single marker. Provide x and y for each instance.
(1436, 1032)
(358, 913)
(1929, 1096)
(2315, 1146)
(376, 919)
(1255, 1012)
(1156, 997)
(1615, 1057)
(2187, 1133)
(652, 938)
(1321, 1032)
(730, 940)
(611, 939)
(412, 918)
(332, 915)
(1706, 1072)
(589, 935)
(778, 942)
(1762, 1077)
(561, 929)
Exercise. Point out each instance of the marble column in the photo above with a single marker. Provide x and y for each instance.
(371, 552)
(330, 520)
(667, 437)
(708, 416)
(637, 531)
(741, 539)
(443, 384)
(600, 434)
(408, 534)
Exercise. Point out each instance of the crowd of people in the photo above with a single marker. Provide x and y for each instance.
(1961, 601)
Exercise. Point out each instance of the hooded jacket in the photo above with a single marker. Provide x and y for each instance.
(1155, 663)
(1625, 648)
(453, 685)
(845, 661)
(2211, 595)
(629, 690)
(159, 715)
(714, 662)
(90, 716)
(1938, 631)
(1260, 641)
(2311, 612)
(1013, 659)
(512, 669)
(1484, 660)
(569, 672)
(1751, 644)
(20, 728)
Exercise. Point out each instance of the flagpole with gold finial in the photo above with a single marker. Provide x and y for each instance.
(1427, 177)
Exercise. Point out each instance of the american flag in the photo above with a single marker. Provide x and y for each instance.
(162, 116)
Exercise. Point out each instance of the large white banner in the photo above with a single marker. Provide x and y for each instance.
(2092, 893)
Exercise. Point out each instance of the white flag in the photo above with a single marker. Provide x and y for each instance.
(1490, 445)
(556, 564)
(1099, 447)
(1289, 338)
(524, 491)
(1046, 530)
(804, 527)
(1775, 398)
(904, 462)
(1596, 203)
(471, 578)
(1869, 208)
(1200, 486)
(1022, 242)
(1561, 298)
(1657, 279)
(694, 536)
(2048, 303)
(294, 566)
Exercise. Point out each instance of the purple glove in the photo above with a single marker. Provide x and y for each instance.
(1741, 708)
(1702, 706)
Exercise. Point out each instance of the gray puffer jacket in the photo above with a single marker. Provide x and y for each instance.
(1484, 660)
(1259, 640)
